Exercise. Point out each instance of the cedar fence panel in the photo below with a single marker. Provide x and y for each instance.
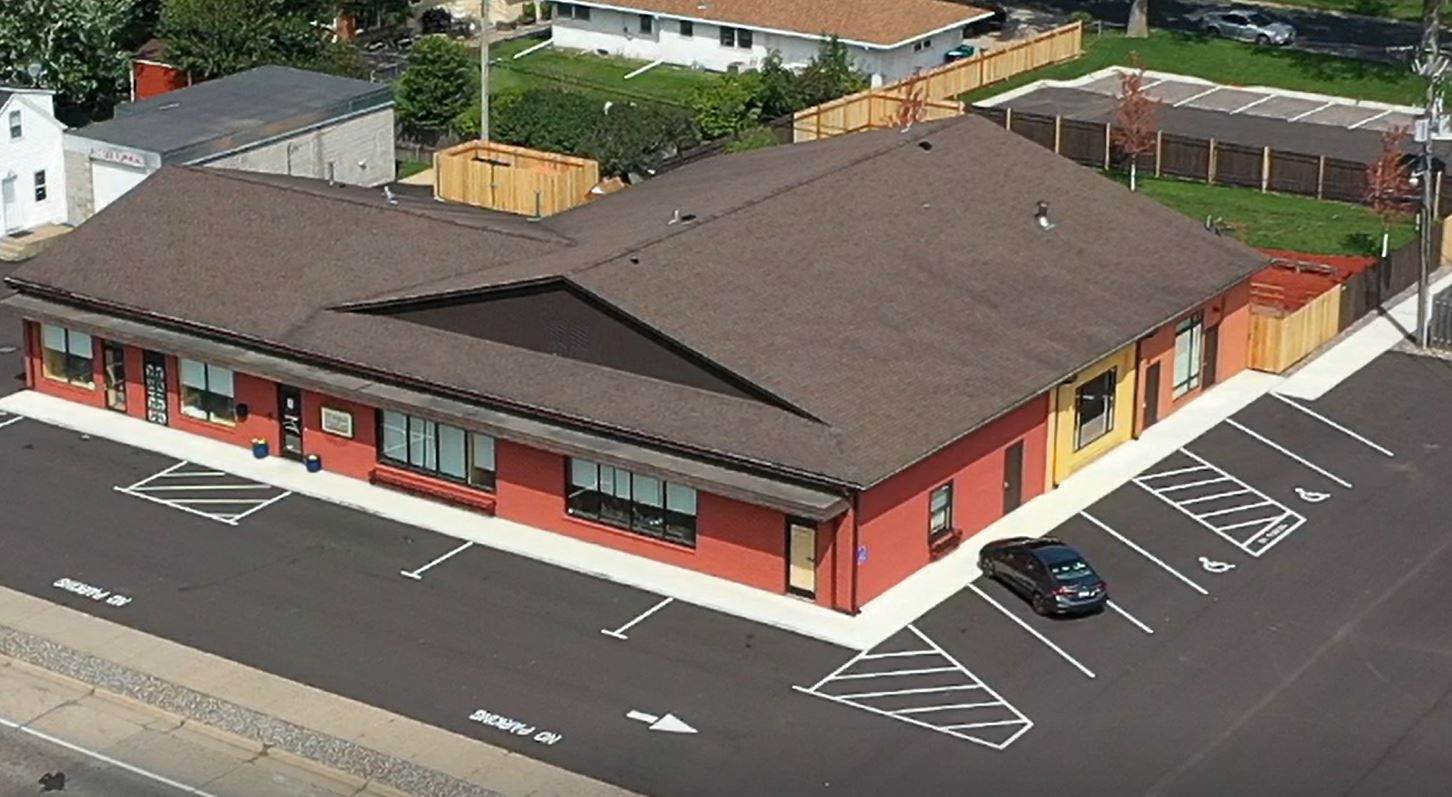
(1240, 165)
(1034, 127)
(513, 179)
(1344, 180)
(1279, 340)
(1182, 156)
(1084, 142)
(1294, 173)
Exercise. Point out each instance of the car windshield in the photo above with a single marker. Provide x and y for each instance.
(1071, 570)
(1258, 19)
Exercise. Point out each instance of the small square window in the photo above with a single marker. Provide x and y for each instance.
(728, 36)
(743, 38)
(688, 29)
(40, 192)
(15, 124)
(647, 24)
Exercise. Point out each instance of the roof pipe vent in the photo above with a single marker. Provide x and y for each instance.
(1042, 216)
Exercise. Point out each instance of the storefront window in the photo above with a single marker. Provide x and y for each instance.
(436, 449)
(633, 501)
(207, 392)
(1094, 408)
(1189, 342)
(67, 356)
(113, 365)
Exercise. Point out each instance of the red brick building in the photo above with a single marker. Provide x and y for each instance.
(810, 369)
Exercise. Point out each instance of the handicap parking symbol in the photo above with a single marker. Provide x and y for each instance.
(1213, 566)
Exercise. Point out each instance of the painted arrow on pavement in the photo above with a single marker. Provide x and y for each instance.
(670, 723)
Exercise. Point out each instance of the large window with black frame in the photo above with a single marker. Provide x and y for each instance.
(940, 510)
(436, 449)
(632, 501)
(1189, 358)
(208, 392)
(1094, 408)
(67, 355)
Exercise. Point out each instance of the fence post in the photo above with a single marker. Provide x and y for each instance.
(1159, 149)
(1108, 136)
(1007, 118)
(1058, 133)
(1320, 176)
(1210, 165)
(1265, 160)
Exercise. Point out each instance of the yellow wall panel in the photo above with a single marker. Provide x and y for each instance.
(1066, 460)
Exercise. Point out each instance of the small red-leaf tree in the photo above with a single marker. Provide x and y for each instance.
(1389, 188)
(1136, 118)
(912, 103)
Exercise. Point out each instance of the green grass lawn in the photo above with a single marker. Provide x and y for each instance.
(1280, 220)
(409, 168)
(1234, 63)
(589, 72)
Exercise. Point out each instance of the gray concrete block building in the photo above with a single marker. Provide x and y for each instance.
(271, 119)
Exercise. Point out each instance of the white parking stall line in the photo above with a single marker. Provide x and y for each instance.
(185, 474)
(1334, 425)
(1293, 455)
(1131, 618)
(619, 633)
(1194, 97)
(214, 489)
(161, 488)
(4, 422)
(1033, 631)
(1213, 497)
(263, 505)
(949, 713)
(175, 505)
(105, 759)
(1187, 485)
(1365, 121)
(1298, 117)
(1252, 104)
(417, 573)
(1270, 528)
(1146, 554)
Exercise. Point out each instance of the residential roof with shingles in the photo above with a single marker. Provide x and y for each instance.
(893, 286)
(868, 21)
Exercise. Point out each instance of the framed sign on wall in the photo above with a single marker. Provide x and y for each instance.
(338, 422)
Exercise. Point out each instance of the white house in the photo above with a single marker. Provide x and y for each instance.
(887, 39)
(272, 119)
(32, 161)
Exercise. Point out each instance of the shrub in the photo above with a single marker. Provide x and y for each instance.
(727, 105)
(755, 138)
(440, 84)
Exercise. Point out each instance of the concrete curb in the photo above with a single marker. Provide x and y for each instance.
(354, 765)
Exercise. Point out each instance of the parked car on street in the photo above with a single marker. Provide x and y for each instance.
(1247, 26)
(1051, 575)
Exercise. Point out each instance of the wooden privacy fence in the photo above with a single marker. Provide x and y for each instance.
(1279, 338)
(880, 107)
(1201, 159)
(513, 179)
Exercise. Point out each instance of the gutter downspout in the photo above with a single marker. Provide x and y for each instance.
(856, 524)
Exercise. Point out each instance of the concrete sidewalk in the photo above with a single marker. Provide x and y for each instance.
(201, 719)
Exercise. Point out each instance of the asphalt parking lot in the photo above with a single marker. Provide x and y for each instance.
(1278, 627)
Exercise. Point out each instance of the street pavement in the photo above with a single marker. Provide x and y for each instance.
(25, 760)
(12, 358)
(1301, 652)
(1349, 35)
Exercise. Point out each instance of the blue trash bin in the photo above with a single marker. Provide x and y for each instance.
(259, 448)
(313, 462)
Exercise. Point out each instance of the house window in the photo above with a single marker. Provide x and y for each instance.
(15, 124)
(572, 11)
(67, 356)
(647, 24)
(436, 449)
(40, 186)
(940, 510)
(735, 37)
(925, 44)
(688, 29)
(207, 392)
(1094, 408)
(633, 501)
(1189, 340)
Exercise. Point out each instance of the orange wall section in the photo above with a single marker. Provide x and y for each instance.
(1231, 313)
(894, 514)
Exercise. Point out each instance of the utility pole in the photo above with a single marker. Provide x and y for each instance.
(1432, 66)
(484, 68)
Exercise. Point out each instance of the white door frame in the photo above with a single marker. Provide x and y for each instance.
(7, 224)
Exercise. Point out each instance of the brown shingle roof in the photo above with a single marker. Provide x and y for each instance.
(869, 21)
(893, 286)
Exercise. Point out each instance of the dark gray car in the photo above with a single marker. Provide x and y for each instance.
(1247, 26)
(1051, 575)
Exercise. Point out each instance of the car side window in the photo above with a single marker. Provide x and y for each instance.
(1235, 19)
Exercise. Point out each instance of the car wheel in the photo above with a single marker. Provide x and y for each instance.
(986, 566)
(1213, 32)
(1041, 605)
(1262, 40)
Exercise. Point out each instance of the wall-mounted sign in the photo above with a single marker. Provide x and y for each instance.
(338, 422)
(125, 157)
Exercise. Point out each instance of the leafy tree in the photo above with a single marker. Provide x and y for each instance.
(636, 138)
(830, 74)
(375, 13)
(755, 138)
(777, 92)
(1135, 129)
(727, 105)
(554, 120)
(80, 46)
(440, 84)
(212, 38)
(1389, 188)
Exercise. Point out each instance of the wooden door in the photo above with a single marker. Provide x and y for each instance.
(1212, 355)
(1151, 395)
(1012, 477)
(802, 559)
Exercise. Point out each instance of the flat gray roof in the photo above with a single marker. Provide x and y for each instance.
(188, 125)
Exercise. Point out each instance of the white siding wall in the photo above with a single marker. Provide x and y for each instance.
(39, 148)
(618, 33)
(110, 181)
(360, 149)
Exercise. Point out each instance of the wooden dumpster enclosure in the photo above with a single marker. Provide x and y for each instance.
(1281, 338)
(513, 179)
